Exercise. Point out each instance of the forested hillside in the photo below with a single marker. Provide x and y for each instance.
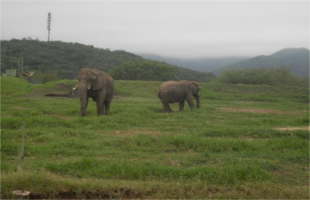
(66, 59)
(157, 71)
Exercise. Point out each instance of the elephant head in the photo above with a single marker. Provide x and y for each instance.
(195, 88)
(88, 80)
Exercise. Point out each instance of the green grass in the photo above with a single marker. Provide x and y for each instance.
(140, 152)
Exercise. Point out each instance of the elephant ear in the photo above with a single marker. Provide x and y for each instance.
(196, 86)
(98, 81)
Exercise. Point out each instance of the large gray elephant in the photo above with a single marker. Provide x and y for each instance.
(97, 85)
(179, 92)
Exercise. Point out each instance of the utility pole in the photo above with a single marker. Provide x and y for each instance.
(20, 64)
(49, 21)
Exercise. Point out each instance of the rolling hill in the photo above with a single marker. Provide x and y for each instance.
(296, 59)
(66, 59)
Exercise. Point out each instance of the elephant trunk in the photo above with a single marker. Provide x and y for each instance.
(83, 100)
(198, 101)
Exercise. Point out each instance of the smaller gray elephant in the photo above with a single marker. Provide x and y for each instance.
(179, 92)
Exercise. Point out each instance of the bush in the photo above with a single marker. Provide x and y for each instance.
(46, 77)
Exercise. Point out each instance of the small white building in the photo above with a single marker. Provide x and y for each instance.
(10, 72)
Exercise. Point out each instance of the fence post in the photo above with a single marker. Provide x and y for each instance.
(21, 194)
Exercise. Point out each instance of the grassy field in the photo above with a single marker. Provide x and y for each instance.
(245, 142)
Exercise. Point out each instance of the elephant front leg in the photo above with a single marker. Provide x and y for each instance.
(99, 98)
(181, 105)
(167, 108)
(189, 100)
(198, 101)
(99, 108)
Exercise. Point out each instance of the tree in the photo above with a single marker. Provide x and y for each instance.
(144, 70)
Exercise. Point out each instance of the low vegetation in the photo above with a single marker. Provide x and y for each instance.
(139, 152)
(276, 76)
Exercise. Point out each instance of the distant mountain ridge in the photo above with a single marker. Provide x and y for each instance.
(296, 59)
(198, 64)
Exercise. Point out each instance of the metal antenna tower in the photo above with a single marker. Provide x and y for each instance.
(49, 21)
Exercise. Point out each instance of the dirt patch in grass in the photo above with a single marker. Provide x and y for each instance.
(253, 110)
(172, 162)
(293, 128)
(123, 193)
(135, 132)
(66, 117)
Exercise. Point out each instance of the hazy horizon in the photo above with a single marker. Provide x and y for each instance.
(215, 57)
(178, 29)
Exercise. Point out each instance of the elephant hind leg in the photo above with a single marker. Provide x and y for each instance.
(181, 105)
(100, 107)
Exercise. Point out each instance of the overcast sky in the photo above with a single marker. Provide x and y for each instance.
(185, 29)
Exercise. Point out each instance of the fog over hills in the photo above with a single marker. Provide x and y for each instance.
(199, 64)
(296, 59)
